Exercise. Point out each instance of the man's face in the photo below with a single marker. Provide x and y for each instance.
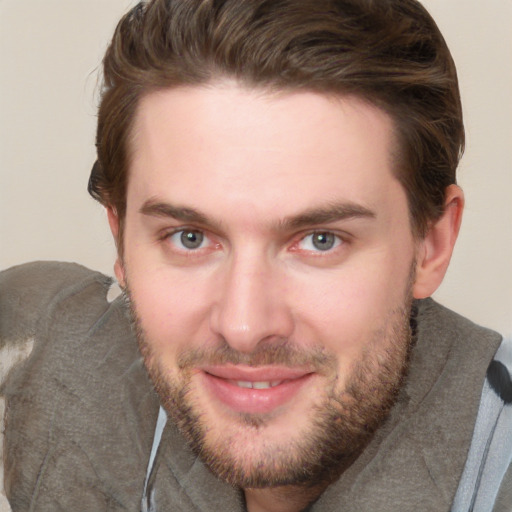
(269, 259)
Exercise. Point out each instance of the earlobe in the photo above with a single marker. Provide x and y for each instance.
(113, 221)
(435, 250)
(119, 272)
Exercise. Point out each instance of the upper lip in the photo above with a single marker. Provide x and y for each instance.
(257, 374)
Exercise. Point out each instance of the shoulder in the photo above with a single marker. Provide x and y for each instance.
(27, 291)
(79, 405)
(440, 321)
(27, 295)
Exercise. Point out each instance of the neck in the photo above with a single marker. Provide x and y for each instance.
(281, 499)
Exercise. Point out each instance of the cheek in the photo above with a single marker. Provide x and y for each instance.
(170, 309)
(347, 308)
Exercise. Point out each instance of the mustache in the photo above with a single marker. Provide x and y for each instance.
(271, 353)
(276, 352)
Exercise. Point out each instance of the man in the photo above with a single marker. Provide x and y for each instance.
(279, 178)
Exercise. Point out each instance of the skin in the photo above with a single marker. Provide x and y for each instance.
(257, 175)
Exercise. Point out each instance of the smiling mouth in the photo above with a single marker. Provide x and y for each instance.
(254, 390)
(256, 378)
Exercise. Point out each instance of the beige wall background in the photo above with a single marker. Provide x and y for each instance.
(50, 51)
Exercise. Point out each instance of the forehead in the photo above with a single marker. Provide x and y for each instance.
(269, 151)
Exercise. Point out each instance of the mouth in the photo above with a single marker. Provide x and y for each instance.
(254, 390)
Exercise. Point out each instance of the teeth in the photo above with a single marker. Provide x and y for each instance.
(257, 385)
(261, 385)
(244, 384)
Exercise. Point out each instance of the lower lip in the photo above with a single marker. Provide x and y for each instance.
(254, 401)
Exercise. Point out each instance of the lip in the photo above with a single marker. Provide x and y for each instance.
(221, 382)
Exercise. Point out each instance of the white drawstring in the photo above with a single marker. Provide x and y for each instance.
(148, 505)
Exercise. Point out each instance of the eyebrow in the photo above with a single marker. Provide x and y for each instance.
(323, 215)
(156, 208)
(327, 215)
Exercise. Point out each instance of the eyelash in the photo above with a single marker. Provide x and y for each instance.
(167, 237)
(339, 241)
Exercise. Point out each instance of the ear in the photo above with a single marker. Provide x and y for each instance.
(113, 220)
(435, 250)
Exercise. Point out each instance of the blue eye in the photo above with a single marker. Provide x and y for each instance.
(189, 239)
(320, 241)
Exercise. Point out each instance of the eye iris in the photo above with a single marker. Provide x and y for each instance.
(323, 241)
(191, 239)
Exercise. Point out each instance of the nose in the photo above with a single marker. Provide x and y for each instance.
(252, 305)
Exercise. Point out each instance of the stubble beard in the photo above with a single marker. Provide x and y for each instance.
(341, 424)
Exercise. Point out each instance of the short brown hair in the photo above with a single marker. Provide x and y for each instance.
(389, 52)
